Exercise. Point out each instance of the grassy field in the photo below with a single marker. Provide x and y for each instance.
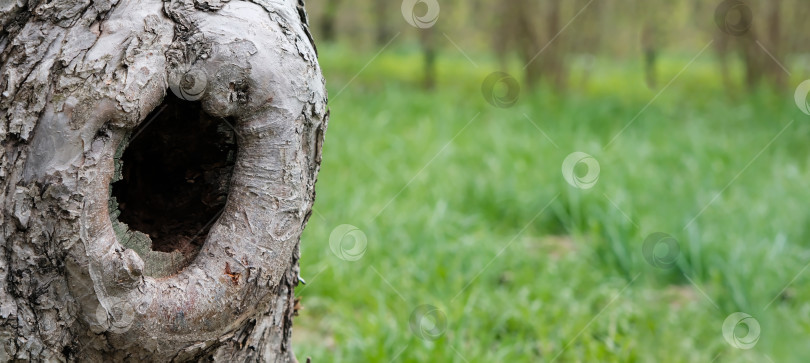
(465, 209)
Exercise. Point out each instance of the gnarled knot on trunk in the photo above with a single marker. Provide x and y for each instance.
(244, 82)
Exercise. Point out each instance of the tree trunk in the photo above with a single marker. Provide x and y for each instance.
(328, 32)
(157, 167)
(427, 39)
(382, 25)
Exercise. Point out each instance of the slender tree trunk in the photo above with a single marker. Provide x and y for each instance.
(649, 46)
(537, 43)
(382, 24)
(552, 62)
(529, 43)
(774, 44)
(328, 20)
(724, 47)
(427, 39)
(89, 89)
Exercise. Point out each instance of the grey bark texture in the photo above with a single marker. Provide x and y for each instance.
(76, 78)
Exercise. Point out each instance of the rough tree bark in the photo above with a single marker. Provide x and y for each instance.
(78, 79)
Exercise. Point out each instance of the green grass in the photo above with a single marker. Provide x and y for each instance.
(465, 208)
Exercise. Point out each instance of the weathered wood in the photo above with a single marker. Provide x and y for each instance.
(76, 78)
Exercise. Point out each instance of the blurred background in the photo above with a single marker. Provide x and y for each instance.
(548, 180)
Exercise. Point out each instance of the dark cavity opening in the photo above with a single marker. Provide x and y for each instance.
(175, 175)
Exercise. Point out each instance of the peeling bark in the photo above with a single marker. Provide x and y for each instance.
(77, 78)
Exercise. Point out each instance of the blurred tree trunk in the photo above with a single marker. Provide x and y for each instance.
(722, 46)
(527, 39)
(427, 38)
(505, 36)
(328, 20)
(761, 55)
(77, 78)
(754, 59)
(553, 58)
(797, 40)
(774, 45)
(382, 26)
(649, 47)
(541, 51)
(653, 16)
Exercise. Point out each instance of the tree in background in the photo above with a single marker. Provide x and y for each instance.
(382, 22)
(427, 39)
(755, 32)
(328, 20)
(652, 14)
(424, 16)
(533, 31)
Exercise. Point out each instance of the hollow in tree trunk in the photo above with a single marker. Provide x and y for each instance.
(157, 166)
